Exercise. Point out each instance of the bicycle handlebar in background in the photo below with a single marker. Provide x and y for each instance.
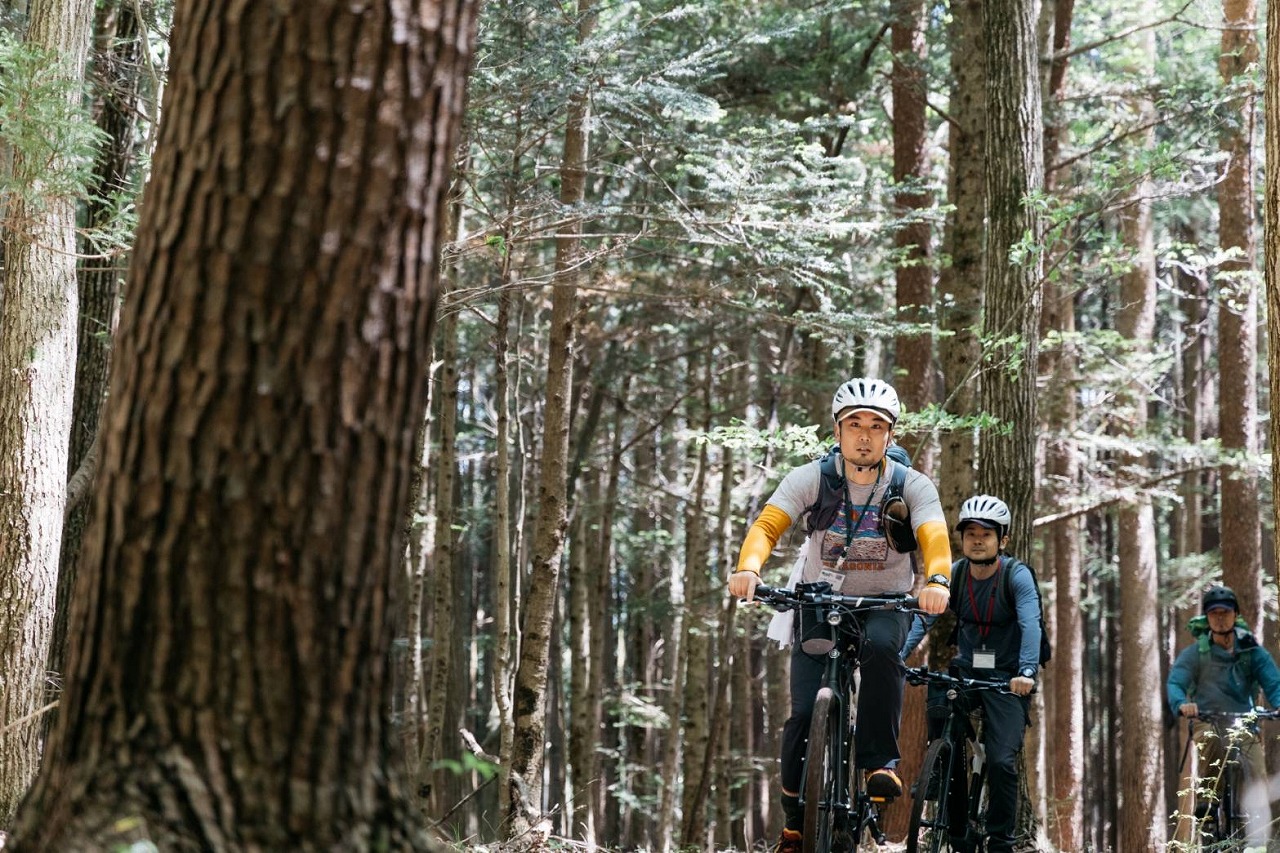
(1224, 716)
(919, 675)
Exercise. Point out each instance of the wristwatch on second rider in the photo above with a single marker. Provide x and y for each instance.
(939, 580)
(1027, 672)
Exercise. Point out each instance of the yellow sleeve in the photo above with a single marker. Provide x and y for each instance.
(763, 535)
(935, 548)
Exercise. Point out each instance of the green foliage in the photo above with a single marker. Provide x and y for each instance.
(41, 117)
(789, 442)
(469, 763)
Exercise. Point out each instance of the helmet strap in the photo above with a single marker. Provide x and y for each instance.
(974, 562)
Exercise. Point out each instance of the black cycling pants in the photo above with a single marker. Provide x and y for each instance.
(879, 697)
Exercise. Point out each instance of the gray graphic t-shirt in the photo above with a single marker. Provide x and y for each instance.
(853, 555)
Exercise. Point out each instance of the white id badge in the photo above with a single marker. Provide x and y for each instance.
(836, 579)
(984, 659)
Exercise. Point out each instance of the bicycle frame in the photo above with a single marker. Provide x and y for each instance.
(831, 811)
(947, 758)
(1225, 803)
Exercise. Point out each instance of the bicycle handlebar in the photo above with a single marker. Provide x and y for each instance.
(780, 598)
(919, 675)
(1231, 716)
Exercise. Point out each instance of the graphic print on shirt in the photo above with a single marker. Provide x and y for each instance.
(867, 550)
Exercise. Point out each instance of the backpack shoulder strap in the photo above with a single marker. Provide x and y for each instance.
(831, 492)
(959, 572)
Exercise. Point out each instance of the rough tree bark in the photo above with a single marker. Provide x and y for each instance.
(913, 275)
(232, 621)
(1271, 235)
(1238, 320)
(960, 280)
(1064, 750)
(118, 81)
(1011, 321)
(526, 758)
(1143, 820)
(37, 380)
(440, 712)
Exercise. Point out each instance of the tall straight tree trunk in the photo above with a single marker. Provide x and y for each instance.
(1238, 320)
(1064, 750)
(526, 759)
(1271, 263)
(700, 627)
(1011, 322)
(605, 668)
(960, 281)
(582, 733)
(1271, 237)
(504, 570)
(118, 78)
(1143, 820)
(37, 380)
(913, 354)
(227, 681)
(440, 711)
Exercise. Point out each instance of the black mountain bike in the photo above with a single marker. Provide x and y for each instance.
(1220, 817)
(838, 813)
(935, 822)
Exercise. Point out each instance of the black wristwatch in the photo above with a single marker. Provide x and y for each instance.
(939, 580)
(1028, 672)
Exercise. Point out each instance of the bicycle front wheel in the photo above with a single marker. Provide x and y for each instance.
(823, 766)
(928, 830)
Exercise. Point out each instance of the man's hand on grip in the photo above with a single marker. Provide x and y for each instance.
(743, 584)
(933, 599)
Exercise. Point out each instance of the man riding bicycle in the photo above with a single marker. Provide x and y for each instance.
(998, 636)
(1222, 672)
(855, 556)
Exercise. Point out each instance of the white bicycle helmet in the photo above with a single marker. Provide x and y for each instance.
(870, 395)
(987, 510)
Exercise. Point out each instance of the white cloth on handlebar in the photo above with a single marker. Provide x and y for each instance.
(782, 625)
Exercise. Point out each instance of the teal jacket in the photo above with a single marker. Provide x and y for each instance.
(1220, 680)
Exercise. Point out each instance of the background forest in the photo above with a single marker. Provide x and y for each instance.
(673, 228)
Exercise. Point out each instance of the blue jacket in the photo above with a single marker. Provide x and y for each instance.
(1220, 680)
(1014, 632)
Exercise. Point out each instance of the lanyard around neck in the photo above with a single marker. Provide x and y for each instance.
(848, 509)
(984, 625)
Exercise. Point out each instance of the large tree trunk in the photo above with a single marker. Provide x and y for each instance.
(1014, 169)
(960, 281)
(913, 352)
(1143, 821)
(913, 275)
(1238, 320)
(526, 758)
(118, 83)
(1064, 750)
(37, 379)
(228, 676)
(1271, 262)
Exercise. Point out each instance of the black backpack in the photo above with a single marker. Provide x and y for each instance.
(959, 572)
(832, 491)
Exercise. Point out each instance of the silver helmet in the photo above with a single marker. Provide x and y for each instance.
(864, 394)
(987, 510)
